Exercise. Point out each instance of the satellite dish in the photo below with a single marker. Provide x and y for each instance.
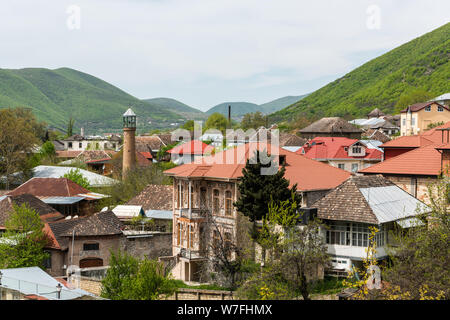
(374, 280)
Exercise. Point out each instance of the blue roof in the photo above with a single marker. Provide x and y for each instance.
(159, 214)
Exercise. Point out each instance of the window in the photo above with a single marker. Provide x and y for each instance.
(180, 196)
(70, 145)
(191, 236)
(440, 109)
(356, 149)
(404, 122)
(354, 167)
(360, 235)
(339, 234)
(227, 247)
(413, 121)
(180, 229)
(341, 166)
(90, 247)
(216, 206)
(191, 205)
(428, 108)
(355, 234)
(216, 239)
(80, 145)
(228, 203)
(47, 261)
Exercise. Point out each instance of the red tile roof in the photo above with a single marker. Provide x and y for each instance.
(407, 142)
(49, 187)
(147, 155)
(68, 154)
(334, 148)
(227, 165)
(421, 161)
(192, 147)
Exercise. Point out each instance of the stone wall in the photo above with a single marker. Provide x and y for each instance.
(153, 245)
(408, 183)
(91, 285)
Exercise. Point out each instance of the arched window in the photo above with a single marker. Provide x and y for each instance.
(216, 206)
(228, 203)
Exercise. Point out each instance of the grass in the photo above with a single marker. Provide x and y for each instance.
(329, 285)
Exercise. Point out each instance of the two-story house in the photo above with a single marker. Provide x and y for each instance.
(344, 153)
(204, 192)
(417, 118)
(360, 202)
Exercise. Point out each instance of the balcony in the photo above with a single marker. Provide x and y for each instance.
(193, 213)
(191, 254)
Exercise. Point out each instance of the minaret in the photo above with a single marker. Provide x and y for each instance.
(129, 145)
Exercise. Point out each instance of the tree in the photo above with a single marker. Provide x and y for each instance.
(257, 190)
(130, 278)
(301, 249)
(76, 176)
(17, 140)
(253, 120)
(70, 127)
(298, 251)
(22, 245)
(420, 260)
(217, 121)
(188, 125)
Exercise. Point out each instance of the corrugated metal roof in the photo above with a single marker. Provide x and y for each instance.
(291, 149)
(61, 200)
(35, 281)
(391, 203)
(128, 211)
(409, 222)
(159, 214)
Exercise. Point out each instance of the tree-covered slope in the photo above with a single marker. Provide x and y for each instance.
(421, 63)
(56, 95)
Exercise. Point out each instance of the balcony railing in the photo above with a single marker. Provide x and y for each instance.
(193, 213)
(191, 254)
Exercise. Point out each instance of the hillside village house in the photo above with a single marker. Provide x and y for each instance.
(64, 195)
(413, 162)
(204, 192)
(416, 118)
(358, 203)
(344, 153)
(331, 127)
(188, 152)
(81, 143)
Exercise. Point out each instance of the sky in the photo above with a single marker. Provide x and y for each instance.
(205, 52)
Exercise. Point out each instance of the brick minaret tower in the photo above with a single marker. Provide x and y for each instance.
(129, 144)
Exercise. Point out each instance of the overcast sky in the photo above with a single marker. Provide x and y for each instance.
(204, 52)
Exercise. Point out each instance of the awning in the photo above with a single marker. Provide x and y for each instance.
(410, 222)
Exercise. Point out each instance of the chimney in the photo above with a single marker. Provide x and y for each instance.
(82, 132)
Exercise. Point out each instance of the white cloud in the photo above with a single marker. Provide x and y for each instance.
(207, 51)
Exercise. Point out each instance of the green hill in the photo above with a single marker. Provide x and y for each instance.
(56, 95)
(280, 103)
(178, 107)
(238, 109)
(421, 63)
